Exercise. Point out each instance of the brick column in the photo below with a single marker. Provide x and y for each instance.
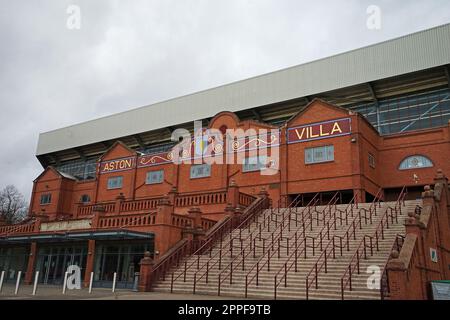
(196, 215)
(233, 194)
(172, 195)
(397, 278)
(119, 199)
(31, 263)
(145, 272)
(165, 211)
(89, 262)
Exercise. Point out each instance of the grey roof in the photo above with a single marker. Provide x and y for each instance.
(410, 53)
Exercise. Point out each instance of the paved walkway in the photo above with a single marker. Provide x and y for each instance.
(45, 292)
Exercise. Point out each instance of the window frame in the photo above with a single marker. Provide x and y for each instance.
(371, 164)
(114, 188)
(49, 195)
(262, 165)
(200, 165)
(312, 157)
(415, 168)
(147, 182)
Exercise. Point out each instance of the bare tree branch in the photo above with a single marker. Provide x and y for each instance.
(13, 207)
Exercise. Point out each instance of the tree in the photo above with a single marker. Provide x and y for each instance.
(13, 207)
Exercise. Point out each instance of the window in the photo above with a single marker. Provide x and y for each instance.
(85, 198)
(115, 183)
(154, 177)
(46, 198)
(254, 164)
(200, 171)
(414, 162)
(319, 154)
(371, 160)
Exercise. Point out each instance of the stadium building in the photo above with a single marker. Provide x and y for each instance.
(362, 143)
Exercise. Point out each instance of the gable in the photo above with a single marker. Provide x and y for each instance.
(117, 151)
(318, 111)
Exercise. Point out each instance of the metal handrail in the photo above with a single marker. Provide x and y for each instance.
(219, 261)
(295, 253)
(346, 279)
(228, 227)
(243, 255)
(384, 281)
(312, 202)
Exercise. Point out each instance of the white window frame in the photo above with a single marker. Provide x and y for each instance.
(207, 174)
(259, 162)
(160, 177)
(405, 164)
(326, 148)
(118, 178)
(47, 196)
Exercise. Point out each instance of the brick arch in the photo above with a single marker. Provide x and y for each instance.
(224, 119)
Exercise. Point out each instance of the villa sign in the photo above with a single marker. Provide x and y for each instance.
(320, 130)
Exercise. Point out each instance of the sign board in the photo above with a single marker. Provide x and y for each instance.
(433, 255)
(117, 165)
(320, 130)
(66, 225)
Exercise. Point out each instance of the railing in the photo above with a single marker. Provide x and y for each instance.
(338, 242)
(17, 229)
(361, 251)
(325, 230)
(217, 233)
(139, 205)
(252, 235)
(123, 221)
(245, 199)
(322, 263)
(201, 199)
(384, 282)
(263, 261)
(84, 210)
(173, 258)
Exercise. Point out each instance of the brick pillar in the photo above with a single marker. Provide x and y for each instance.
(31, 263)
(233, 194)
(173, 195)
(89, 262)
(119, 199)
(443, 216)
(98, 213)
(397, 278)
(196, 215)
(146, 272)
(165, 211)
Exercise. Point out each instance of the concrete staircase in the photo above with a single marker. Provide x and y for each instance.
(252, 244)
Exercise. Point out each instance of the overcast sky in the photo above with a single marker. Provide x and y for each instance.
(128, 54)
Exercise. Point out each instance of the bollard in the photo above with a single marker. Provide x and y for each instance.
(35, 283)
(65, 282)
(90, 282)
(19, 275)
(114, 282)
(2, 277)
(136, 282)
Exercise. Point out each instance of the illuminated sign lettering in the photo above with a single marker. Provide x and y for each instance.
(322, 130)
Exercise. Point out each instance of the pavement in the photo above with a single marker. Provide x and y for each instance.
(47, 292)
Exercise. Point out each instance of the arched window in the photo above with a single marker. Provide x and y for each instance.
(85, 198)
(415, 162)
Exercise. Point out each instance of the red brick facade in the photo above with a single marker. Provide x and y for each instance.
(163, 208)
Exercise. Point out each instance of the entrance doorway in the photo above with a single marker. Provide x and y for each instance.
(53, 262)
(122, 259)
